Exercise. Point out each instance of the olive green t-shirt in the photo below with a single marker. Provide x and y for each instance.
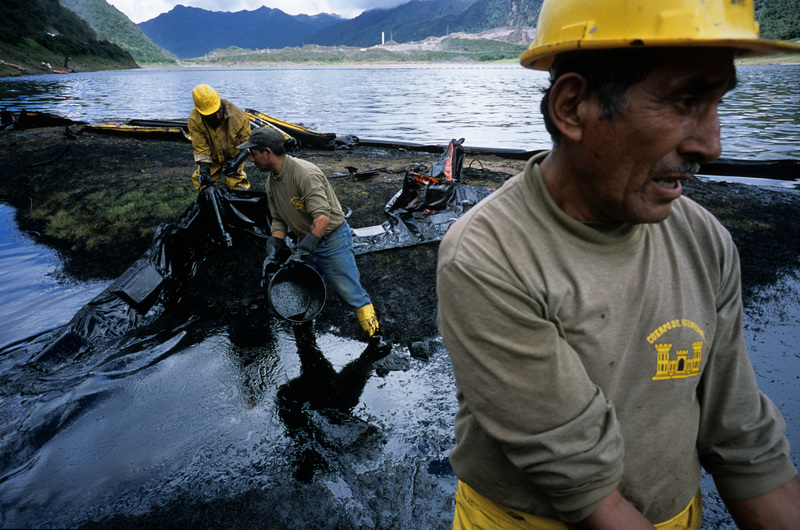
(300, 194)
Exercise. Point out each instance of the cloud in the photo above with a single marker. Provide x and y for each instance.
(142, 10)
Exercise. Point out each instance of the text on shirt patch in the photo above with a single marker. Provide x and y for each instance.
(680, 365)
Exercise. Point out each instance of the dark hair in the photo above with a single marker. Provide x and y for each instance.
(278, 149)
(608, 74)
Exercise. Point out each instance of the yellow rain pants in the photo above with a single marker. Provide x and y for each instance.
(475, 512)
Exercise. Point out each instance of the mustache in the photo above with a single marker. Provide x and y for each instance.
(688, 167)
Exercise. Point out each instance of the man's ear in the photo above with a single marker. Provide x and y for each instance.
(569, 99)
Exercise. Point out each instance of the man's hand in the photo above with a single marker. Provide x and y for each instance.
(305, 247)
(232, 165)
(615, 513)
(277, 252)
(205, 175)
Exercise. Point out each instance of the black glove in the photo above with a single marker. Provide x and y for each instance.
(305, 247)
(277, 252)
(230, 166)
(205, 175)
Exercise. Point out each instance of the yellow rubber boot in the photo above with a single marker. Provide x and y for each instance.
(367, 319)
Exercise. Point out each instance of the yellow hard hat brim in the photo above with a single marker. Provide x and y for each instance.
(542, 57)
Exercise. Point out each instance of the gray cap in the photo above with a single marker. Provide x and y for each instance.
(264, 137)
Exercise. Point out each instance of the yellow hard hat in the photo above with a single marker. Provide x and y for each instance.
(569, 25)
(206, 99)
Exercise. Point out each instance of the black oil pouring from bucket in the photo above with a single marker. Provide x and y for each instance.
(297, 292)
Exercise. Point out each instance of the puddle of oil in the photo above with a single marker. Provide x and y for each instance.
(772, 333)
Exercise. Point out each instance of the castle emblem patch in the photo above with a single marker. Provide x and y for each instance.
(676, 357)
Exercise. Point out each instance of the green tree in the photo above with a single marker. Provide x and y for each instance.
(779, 19)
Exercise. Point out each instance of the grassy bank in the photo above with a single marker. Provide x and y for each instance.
(788, 59)
(99, 198)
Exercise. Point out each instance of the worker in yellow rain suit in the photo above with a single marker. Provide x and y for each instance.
(216, 127)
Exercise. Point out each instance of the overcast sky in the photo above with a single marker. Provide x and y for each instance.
(142, 10)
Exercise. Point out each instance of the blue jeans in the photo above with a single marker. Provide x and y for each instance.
(335, 259)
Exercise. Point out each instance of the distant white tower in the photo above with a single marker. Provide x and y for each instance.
(383, 37)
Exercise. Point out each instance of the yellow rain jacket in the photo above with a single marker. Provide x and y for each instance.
(218, 145)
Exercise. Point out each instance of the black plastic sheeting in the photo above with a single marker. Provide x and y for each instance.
(424, 209)
(218, 217)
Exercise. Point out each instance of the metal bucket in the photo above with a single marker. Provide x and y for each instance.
(297, 292)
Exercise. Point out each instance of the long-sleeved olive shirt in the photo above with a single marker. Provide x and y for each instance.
(590, 356)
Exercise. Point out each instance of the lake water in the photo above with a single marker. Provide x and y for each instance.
(186, 418)
(489, 106)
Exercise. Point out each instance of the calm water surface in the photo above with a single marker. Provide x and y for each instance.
(489, 106)
(34, 295)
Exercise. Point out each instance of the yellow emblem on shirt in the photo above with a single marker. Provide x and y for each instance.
(297, 202)
(680, 365)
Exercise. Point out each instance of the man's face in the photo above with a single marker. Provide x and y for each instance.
(260, 158)
(633, 166)
(214, 119)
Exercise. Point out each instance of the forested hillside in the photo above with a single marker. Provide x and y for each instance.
(489, 14)
(42, 35)
(416, 20)
(110, 24)
(780, 19)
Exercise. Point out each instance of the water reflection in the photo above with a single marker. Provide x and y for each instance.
(34, 295)
(319, 387)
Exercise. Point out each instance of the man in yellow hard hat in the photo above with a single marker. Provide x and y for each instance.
(216, 127)
(302, 200)
(592, 314)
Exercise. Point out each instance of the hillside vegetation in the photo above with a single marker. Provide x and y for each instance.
(488, 14)
(780, 19)
(113, 26)
(38, 36)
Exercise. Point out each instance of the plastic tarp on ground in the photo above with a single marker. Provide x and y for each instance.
(217, 217)
(424, 209)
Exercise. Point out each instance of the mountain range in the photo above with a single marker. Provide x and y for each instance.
(192, 32)
(184, 30)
